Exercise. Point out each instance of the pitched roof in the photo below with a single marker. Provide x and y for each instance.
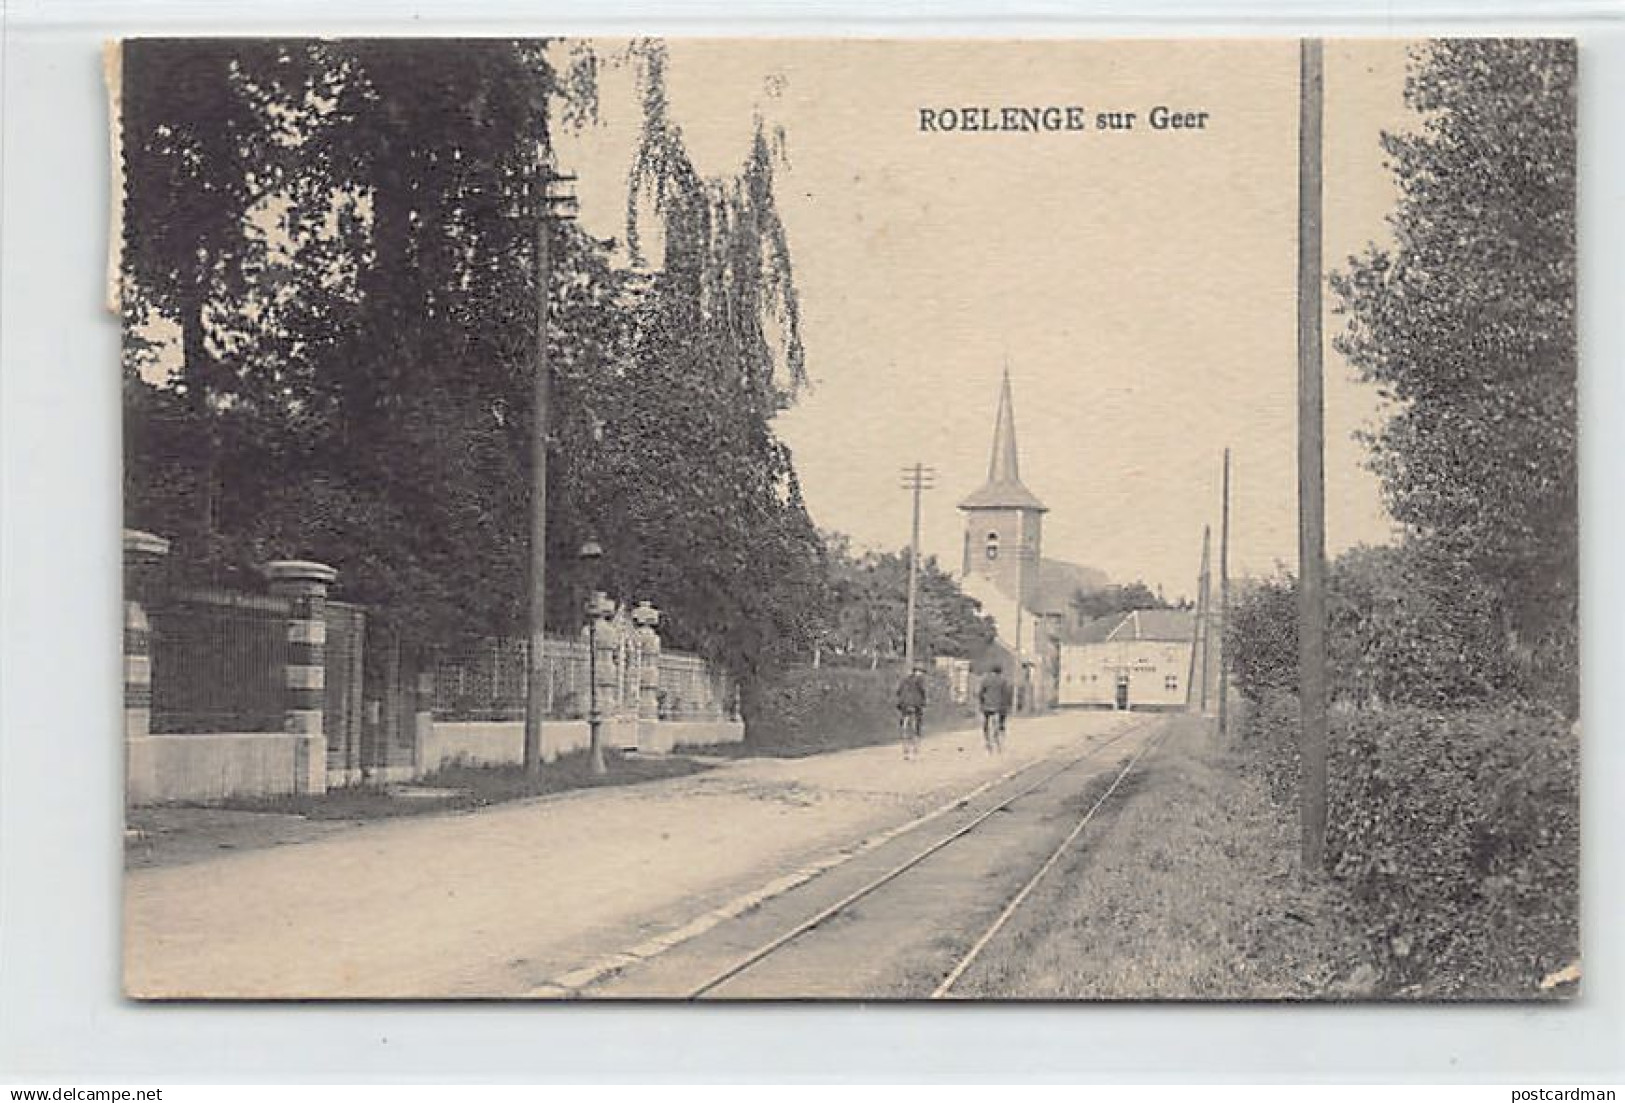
(1174, 625)
(1168, 625)
(1004, 489)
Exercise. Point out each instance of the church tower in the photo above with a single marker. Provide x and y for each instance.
(1004, 521)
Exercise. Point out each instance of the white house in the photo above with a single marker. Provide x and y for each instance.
(1139, 659)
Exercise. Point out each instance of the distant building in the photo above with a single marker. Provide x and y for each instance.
(1027, 596)
(1138, 659)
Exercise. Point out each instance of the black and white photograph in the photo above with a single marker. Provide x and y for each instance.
(900, 519)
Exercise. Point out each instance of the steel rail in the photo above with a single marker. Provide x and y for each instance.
(777, 944)
(948, 982)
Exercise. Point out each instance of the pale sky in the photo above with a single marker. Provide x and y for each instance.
(1140, 284)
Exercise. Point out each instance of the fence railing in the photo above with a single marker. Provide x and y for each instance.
(218, 662)
(486, 680)
(691, 690)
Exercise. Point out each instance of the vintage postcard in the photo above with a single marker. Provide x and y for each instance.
(849, 519)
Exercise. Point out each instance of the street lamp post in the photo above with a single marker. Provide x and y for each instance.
(590, 555)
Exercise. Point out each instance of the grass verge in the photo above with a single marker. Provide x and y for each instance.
(1185, 886)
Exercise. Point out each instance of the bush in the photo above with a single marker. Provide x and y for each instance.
(1457, 834)
(809, 709)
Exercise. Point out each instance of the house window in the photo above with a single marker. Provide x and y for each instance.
(992, 545)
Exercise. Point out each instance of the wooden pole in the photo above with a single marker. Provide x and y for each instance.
(1312, 690)
(916, 479)
(541, 410)
(1224, 601)
(1199, 631)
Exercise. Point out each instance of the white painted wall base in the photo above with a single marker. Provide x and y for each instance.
(213, 767)
(495, 743)
(199, 768)
(701, 733)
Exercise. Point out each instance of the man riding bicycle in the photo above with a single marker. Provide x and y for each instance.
(911, 710)
(995, 696)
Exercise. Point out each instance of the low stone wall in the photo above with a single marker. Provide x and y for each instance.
(209, 767)
(668, 735)
(495, 742)
(502, 742)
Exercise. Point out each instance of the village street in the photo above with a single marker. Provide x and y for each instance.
(512, 901)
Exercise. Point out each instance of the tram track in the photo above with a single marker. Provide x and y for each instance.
(741, 967)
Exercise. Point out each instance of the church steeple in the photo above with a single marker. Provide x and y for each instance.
(1004, 489)
(1004, 465)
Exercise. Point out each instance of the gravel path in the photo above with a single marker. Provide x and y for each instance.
(497, 902)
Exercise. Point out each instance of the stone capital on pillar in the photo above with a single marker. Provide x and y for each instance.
(299, 576)
(142, 553)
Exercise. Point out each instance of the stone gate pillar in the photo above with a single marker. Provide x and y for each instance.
(305, 585)
(646, 638)
(142, 553)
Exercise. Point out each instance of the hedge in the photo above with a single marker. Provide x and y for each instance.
(820, 708)
(1456, 833)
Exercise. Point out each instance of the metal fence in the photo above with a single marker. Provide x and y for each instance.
(691, 690)
(218, 662)
(486, 681)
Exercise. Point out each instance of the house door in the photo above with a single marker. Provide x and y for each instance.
(1122, 692)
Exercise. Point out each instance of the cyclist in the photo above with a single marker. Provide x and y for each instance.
(911, 710)
(995, 695)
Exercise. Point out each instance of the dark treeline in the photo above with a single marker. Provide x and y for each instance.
(1466, 326)
(331, 313)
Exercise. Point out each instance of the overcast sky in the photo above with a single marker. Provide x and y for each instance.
(1139, 284)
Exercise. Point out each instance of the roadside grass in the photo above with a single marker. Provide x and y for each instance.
(173, 834)
(458, 787)
(1185, 886)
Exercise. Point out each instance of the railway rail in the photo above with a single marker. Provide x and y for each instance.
(769, 949)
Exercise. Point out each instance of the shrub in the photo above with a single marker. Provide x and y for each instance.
(1456, 833)
(817, 708)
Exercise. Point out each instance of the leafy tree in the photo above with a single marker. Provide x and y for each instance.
(1404, 629)
(372, 266)
(1466, 325)
(868, 609)
(201, 154)
(1105, 600)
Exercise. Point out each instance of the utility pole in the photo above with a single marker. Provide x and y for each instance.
(1199, 630)
(554, 203)
(1312, 691)
(1224, 602)
(917, 478)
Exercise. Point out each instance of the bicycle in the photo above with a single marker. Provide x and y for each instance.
(993, 732)
(909, 722)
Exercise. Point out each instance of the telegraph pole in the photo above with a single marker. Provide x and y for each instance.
(917, 478)
(1311, 462)
(1224, 601)
(554, 203)
(1199, 629)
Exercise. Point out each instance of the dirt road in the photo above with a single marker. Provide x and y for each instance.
(506, 901)
(894, 922)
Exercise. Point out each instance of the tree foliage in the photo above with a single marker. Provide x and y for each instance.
(1106, 600)
(867, 618)
(346, 235)
(1404, 629)
(1466, 325)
